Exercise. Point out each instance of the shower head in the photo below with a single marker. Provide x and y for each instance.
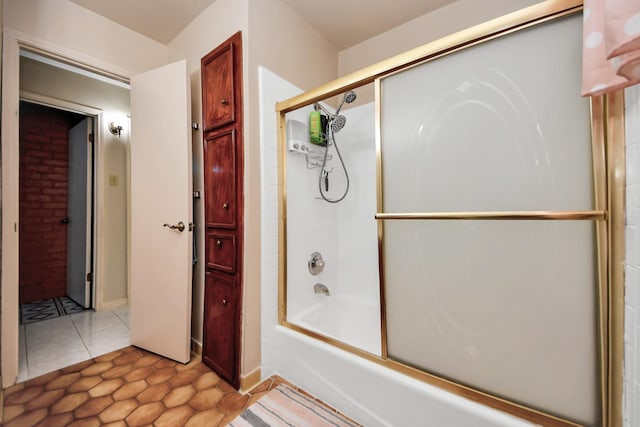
(338, 122)
(349, 97)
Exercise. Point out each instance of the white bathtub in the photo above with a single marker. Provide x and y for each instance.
(345, 319)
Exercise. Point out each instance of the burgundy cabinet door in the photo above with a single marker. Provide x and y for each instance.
(218, 104)
(220, 180)
(220, 325)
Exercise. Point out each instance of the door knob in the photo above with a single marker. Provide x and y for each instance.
(219, 243)
(179, 226)
(224, 301)
(225, 206)
(224, 102)
(65, 220)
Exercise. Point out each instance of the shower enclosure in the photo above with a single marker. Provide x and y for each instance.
(476, 244)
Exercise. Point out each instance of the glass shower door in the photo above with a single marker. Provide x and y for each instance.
(489, 241)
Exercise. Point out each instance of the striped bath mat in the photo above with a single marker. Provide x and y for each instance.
(284, 406)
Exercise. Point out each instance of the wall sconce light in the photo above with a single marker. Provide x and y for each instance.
(115, 128)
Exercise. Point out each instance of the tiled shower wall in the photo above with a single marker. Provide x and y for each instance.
(632, 261)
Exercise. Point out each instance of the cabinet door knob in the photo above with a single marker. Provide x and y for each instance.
(224, 102)
(225, 206)
(224, 301)
(219, 243)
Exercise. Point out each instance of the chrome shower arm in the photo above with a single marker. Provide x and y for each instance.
(317, 106)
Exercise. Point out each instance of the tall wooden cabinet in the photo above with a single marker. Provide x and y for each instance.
(223, 200)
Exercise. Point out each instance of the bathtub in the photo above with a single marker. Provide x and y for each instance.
(345, 319)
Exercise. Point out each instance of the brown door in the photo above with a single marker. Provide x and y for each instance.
(223, 201)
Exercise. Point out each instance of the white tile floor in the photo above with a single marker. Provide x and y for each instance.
(53, 344)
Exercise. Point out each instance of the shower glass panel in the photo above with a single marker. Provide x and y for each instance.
(506, 307)
(330, 208)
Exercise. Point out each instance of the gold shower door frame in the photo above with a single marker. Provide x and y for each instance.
(607, 132)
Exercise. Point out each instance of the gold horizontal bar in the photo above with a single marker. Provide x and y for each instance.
(597, 215)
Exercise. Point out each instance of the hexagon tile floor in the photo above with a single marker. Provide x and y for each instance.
(128, 388)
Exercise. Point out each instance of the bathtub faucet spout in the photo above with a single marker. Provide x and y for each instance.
(319, 288)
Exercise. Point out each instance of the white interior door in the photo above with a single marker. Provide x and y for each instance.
(79, 213)
(161, 187)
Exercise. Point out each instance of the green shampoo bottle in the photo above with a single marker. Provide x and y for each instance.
(315, 128)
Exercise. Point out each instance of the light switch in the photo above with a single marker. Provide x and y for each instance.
(113, 180)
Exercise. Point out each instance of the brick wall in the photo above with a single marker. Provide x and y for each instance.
(43, 201)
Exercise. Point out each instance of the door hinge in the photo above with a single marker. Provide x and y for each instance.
(89, 277)
(91, 137)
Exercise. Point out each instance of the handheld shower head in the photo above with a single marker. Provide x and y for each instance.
(350, 96)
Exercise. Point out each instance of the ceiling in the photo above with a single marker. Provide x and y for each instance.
(343, 23)
(160, 20)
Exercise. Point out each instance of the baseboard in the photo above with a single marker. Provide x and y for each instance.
(110, 305)
(196, 347)
(249, 381)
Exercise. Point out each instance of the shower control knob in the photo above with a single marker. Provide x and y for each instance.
(316, 263)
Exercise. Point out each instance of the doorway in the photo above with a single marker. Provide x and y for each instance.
(114, 217)
(56, 212)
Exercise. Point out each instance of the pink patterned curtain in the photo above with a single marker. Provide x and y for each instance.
(611, 45)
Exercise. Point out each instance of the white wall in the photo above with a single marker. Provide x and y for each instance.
(632, 261)
(66, 24)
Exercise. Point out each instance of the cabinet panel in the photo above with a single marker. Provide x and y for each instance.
(220, 320)
(220, 180)
(221, 252)
(218, 104)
